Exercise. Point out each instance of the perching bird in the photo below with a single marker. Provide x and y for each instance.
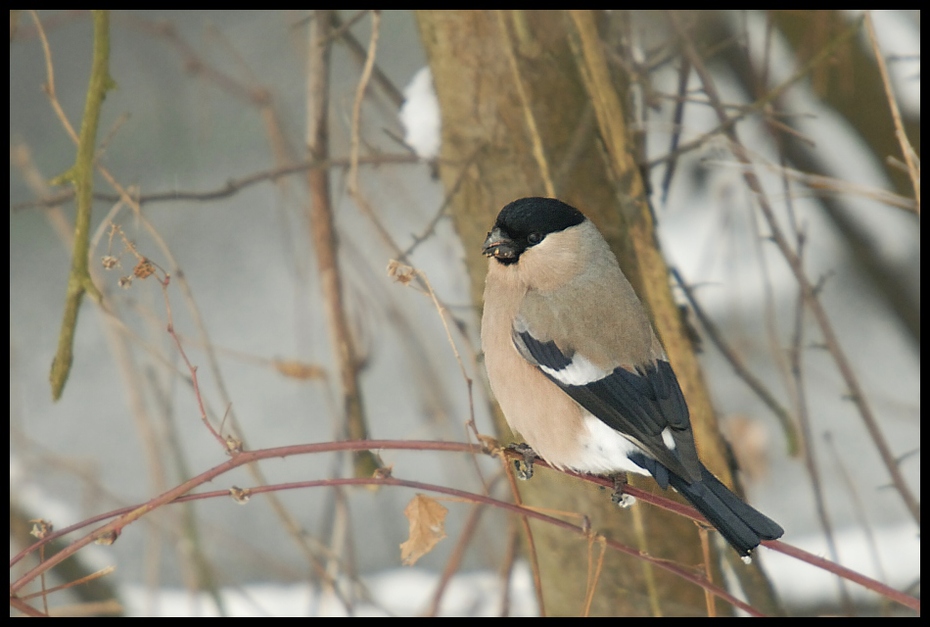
(578, 370)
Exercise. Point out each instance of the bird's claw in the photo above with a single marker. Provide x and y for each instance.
(619, 497)
(524, 467)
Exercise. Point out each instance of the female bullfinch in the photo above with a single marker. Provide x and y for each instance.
(578, 370)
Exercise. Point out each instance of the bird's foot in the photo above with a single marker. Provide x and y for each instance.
(619, 497)
(524, 467)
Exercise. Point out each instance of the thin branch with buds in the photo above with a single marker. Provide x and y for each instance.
(123, 517)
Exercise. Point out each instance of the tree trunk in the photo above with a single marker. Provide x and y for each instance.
(529, 108)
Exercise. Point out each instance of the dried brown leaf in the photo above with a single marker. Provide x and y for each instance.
(298, 369)
(427, 527)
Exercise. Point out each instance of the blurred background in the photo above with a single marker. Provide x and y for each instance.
(207, 130)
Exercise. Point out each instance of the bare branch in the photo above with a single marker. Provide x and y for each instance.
(323, 234)
(81, 175)
(910, 158)
(856, 392)
(232, 186)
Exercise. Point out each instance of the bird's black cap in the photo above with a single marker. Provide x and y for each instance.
(540, 215)
(526, 222)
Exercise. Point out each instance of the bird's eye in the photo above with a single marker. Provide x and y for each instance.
(534, 238)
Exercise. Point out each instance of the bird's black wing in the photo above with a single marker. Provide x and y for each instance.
(641, 405)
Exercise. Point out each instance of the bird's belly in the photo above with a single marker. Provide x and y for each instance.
(602, 450)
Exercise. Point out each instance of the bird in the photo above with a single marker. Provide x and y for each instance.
(578, 371)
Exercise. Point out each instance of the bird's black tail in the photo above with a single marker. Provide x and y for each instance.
(742, 526)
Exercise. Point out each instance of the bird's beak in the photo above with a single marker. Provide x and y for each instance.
(499, 245)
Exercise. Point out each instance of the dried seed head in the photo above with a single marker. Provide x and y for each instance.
(144, 269)
(400, 272)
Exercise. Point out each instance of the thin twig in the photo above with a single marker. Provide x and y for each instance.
(860, 506)
(796, 354)
(533, 554)
(913, 166)
(232, 186)
(684, 72)
(821, 185)
(506, 568)
(358, 51)
(704, 535)
(741, 370)
(50, 83)
(103, 572)
(340, 27)
(857, 394)
(848, 574)
(164, 280)
(454, 563)
(405, 275)
(402, 273)
(323, 235)
(727, 124)
(354, 187)
(447, 199)
(594, 570)
(193, 63)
